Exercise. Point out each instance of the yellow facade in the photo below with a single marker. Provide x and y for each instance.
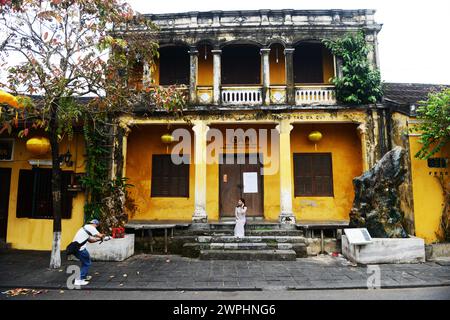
(142, 143)
(427, 192)
(342, 141)
(37, 234)
(277, 66)
(205, 67)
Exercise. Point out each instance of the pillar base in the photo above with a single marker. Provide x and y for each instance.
(200, 216)
(286, 218)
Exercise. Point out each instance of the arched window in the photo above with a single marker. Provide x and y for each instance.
(241, 64)
(313, 63)
(174, 65)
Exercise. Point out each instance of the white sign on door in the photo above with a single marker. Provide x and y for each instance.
(250, 182)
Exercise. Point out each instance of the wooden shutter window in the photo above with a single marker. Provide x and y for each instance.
(24, 208)
(313, 174)
(34, 198)
(169, 179)
(42, 194)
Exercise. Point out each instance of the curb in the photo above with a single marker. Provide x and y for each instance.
(412, 286)
(46, 287)
(295, 288)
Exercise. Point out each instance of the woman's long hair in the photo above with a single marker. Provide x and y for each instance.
(243, 201)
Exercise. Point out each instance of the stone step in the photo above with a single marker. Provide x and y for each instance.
(232, 239)
(194, 250)
(247, 233)
(249, 226)
(245, 246)
(248, 255)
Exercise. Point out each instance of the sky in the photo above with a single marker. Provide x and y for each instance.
(414, 43)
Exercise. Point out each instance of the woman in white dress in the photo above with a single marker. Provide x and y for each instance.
(240, 212)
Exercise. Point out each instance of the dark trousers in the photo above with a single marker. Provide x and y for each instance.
(85, 259)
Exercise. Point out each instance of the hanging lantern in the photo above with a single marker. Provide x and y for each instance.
(167, 138)
(315, 136)
(38, 146)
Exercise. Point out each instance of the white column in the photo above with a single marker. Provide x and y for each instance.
(286, 213)
(193, 53)
(200, 130)
(216, 75)
(266, 75)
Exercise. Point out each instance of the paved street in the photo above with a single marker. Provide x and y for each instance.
(22, 269)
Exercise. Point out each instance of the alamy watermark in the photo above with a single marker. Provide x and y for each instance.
(231, 148)
(374, 279)
(75, 274)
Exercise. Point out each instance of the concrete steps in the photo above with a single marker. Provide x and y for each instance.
(276, 232)
(251, 255)
(227, 247)
(232, 239)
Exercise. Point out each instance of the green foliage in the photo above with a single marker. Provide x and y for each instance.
(106, 198)
(360, 83)
(434, 126)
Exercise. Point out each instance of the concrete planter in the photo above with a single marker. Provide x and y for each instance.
(112, 250)
(385, 250)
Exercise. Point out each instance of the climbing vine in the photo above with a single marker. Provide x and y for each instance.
(105, 196)
(359, 83)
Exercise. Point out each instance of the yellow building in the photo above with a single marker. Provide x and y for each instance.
(262, 124)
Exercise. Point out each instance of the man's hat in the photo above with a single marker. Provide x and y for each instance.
(95, 221)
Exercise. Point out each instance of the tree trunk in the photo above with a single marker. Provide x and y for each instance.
(55, 260)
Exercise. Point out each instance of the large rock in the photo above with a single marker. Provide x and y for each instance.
(377, 201)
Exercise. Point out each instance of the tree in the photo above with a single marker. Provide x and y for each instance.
(70, 49)
(434, 129)
(434, 125)
(360, 83)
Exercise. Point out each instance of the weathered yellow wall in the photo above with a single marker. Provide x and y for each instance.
(427, 193)
(143, 141)
(205, 67)
(37, 234)
(343, 142)
(271, 182)
(277, 70)
(328, 65)
(154, 72)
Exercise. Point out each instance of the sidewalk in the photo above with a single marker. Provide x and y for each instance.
(29, 269)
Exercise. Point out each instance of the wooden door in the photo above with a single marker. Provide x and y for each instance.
(231, 187)
(5, 181)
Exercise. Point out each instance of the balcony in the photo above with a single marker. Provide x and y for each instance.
(241, 96)
(247, 74)
(317, 94)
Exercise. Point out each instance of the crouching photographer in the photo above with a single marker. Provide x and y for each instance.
(87, 233)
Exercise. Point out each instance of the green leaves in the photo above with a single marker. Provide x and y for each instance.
(359, 84)
(434, 127)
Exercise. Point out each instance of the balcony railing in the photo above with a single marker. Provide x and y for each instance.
(241, 95)
(321, 94)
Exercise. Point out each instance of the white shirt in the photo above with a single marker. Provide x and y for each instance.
(82, 235)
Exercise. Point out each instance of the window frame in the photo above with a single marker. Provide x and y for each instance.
(24, 211)
(313, 175)
(161, 194)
